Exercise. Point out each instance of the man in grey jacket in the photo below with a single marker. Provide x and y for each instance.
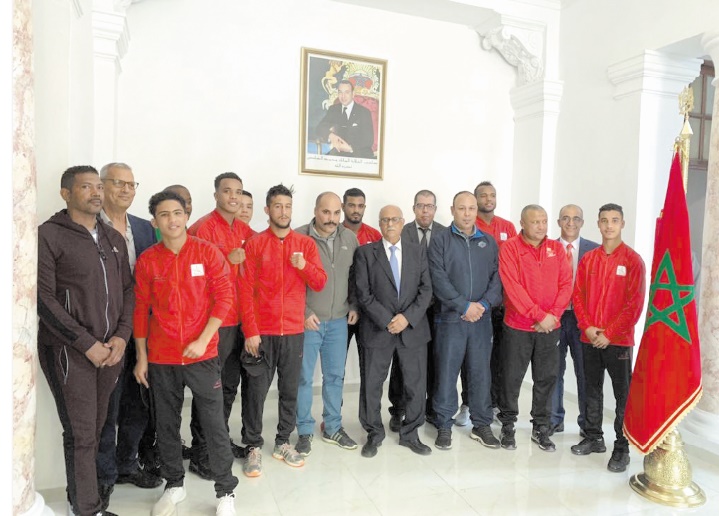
(327, 314)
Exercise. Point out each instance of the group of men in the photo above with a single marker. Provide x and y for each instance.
(218, 308)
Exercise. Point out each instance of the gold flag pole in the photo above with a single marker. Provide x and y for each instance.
(667, 475)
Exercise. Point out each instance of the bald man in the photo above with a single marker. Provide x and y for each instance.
(393, 292)
(327, 314)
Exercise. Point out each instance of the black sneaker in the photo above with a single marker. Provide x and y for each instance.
(540, 437)
(483, 434)
(444, 439)
(304, 445)
(587, 446)
(618, 462)
(201, 468)
(140, 478)
(340, 438)
(506, 438)
(395, 422)
(239, 452)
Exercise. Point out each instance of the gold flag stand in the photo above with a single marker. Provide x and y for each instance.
(667, 475)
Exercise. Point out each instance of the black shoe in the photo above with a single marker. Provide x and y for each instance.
(540, 437)
(186, 452)
(416, 446)
(587, 446)
(506, 438)
(105, 491)
(618, 462)
(304, 445)
(483, 434)
(395, 422)
(556, 429)
(140, 478)
(239, 452)
(201, 468)
(369, 450)
(444, 439)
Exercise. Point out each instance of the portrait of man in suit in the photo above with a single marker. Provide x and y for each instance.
(347, 126)
(393, 293)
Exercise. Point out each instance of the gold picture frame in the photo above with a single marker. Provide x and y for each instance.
(342, 99)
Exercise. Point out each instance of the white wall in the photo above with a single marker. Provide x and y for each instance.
(208, 90)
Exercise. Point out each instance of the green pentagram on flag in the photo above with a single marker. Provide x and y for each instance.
(656, 314)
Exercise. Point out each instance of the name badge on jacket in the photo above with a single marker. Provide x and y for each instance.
(621, 270)
(197, 269)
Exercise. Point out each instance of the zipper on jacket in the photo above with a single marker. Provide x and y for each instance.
(179, 302)
(469, 260)
(68, 308)
(107, 290)
(282, 288)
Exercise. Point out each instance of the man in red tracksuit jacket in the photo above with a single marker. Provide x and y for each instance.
(537, 280)
(183, 293)
(608, 300)
(228, 233)
(279, 266)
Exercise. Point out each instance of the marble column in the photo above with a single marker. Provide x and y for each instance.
(703, 421)
(24, 314)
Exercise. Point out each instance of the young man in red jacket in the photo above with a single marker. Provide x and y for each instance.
(537, 281)
(228, 233)
(183, 292)
(279, 266)
(608, 300)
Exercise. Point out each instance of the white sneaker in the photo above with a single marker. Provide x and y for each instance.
(462, 417)
(226, 505)
(165, 506)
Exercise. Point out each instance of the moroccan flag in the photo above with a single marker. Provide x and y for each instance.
(667, 378)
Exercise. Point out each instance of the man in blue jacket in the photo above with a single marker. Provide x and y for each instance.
(128, 411)
(464, 264)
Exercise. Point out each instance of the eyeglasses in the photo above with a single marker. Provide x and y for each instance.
(393, 220)
(132, 185)
(421, 206)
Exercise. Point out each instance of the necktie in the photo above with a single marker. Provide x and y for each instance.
(394, 265)
(569, 254)
(344, 111)
(424, 237)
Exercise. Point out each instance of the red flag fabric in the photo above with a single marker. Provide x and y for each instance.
(667, 378)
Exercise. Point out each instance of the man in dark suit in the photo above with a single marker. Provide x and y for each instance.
(128, 411)
(419, 231)
(394, 292)
(570, 221)
(347, 126)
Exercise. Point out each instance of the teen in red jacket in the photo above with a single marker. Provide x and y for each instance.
(537, 281)
(280, 264)
(228, 233)
(183, 292)
(608, 300)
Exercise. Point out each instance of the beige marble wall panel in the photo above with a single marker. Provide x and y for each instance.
(24, 315)
(709, 309)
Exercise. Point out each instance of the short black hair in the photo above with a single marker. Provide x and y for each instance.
(276, 190)
(425, 193)
(353, 192)
(611, 207)
(247, 193)
(165, 195)
(345, 81)
(68, 177)
(225, 175)
(480, 185)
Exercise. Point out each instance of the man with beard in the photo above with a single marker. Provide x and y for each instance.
(84, 303)
(502, 230)
(229, 234)
(279, 266)
(326, 317)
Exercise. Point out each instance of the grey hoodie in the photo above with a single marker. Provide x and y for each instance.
(337, 298)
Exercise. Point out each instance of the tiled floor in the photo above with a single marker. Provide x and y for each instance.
(468, 479)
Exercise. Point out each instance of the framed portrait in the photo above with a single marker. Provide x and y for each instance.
(342, 114)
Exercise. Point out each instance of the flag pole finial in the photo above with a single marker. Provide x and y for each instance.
(682, 142)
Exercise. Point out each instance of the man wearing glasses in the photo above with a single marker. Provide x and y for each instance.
(128, 412)
(393, 293)
(419, 231)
